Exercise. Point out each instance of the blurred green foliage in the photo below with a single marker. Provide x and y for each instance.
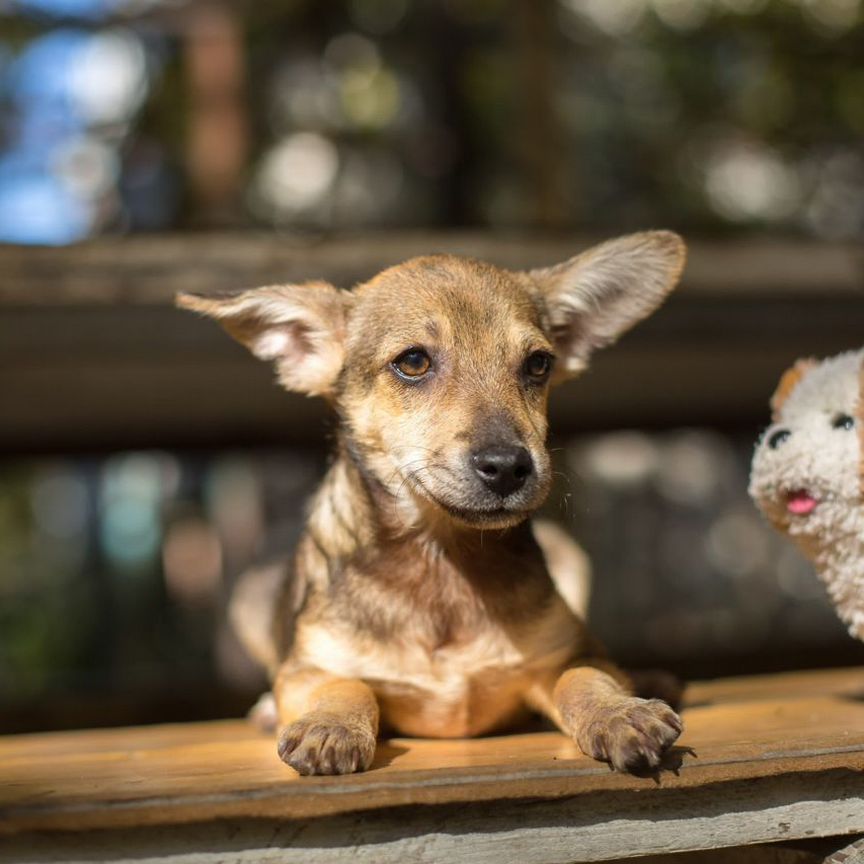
(706, 115)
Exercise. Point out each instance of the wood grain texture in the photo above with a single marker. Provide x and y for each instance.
(808, 726)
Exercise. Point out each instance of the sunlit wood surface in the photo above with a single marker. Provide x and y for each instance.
(808, 725)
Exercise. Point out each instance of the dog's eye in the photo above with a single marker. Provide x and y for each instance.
(538, 365)
(413, 363)
(781, 436)
(843, 421)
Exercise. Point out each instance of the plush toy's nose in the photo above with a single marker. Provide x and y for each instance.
(778, 438)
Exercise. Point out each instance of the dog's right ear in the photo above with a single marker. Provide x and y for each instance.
(595, 297)
(301, 328)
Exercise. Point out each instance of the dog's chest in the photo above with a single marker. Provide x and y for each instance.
(465, 687)
(450, 639)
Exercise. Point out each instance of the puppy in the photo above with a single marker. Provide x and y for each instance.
(419, 597)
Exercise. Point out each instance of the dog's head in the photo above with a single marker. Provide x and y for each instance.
(440, 367)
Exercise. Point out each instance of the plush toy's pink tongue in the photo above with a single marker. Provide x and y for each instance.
(800, 503)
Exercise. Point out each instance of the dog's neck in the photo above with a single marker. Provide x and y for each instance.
(441, 582)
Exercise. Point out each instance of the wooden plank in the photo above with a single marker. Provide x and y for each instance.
(166, 775)
(609, 827)
(845, 684)
(147, 269)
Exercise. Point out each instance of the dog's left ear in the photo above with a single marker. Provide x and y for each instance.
(301, 328)
(595, 297)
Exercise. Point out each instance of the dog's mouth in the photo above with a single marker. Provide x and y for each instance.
(799, 502)
(497, 515)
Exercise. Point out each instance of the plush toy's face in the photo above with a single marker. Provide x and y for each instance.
(806, 474)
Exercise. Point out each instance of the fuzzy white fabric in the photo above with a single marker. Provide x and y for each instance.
(821, 461)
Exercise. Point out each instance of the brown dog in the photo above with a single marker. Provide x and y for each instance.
(419, 592)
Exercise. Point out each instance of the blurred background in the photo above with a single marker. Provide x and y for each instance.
(149, 146)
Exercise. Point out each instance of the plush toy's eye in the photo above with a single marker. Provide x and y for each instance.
(779, 437)
(411, 364)
(843, 421)
(538, 365)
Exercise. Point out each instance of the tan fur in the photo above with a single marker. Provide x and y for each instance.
(300, 327)
(656, 259)
(788, 382)
(419, 591)
(594, 707)
(568, 565)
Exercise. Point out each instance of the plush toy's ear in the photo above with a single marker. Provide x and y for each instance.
(299, 327)
(595, 297)
(788, 382)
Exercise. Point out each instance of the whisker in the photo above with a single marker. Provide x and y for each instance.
(566, 477)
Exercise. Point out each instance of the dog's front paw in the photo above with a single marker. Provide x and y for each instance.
(631, 734)
(326, 744)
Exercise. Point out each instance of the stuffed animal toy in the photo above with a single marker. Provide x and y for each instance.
(808, 473)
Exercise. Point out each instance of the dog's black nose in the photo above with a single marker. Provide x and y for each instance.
(503, 469)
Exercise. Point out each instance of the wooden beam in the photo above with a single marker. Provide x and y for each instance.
(145, 269)
(610, 828)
